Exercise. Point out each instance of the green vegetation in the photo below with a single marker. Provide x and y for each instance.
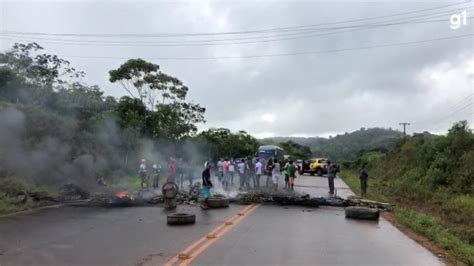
(295, 150)
(56, 129)
(431, 178)
(431, 228)
(221, 142)
(346, 146)
(10, 203)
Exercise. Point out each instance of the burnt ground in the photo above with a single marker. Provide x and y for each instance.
(272, 235)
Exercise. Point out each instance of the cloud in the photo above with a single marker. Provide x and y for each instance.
(306, 94)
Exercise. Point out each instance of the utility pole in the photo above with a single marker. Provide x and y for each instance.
(404, 129)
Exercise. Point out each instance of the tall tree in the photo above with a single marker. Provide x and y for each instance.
(144, 80)
(219, 142)
(135, 76)
(39, 69)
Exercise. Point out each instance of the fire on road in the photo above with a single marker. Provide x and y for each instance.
(239, 235)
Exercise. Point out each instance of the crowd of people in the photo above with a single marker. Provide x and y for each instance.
(177, 171)
(250, 172)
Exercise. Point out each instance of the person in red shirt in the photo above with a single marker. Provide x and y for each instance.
(172, 170)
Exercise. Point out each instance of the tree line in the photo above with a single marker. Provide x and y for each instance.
(154, 117)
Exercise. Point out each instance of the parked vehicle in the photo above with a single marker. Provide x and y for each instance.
(314, 166)
(270, 151)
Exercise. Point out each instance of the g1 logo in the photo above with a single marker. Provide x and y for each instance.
(456, 20)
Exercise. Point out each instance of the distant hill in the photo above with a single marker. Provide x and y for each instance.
(345, 146)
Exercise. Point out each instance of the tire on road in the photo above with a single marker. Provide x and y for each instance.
(362, 213)
(217, 202)
(181, 219)
(21, 197)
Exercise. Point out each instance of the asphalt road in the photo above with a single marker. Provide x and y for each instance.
(270, 235)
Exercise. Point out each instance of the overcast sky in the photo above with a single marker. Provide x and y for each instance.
(429, 84)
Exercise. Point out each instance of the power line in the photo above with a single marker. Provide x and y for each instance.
(277, 29)
(440, 122)
(453, 109)
(463, 101)
(285, 54)
(260, 39)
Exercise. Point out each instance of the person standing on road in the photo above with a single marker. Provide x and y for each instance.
(206, 185)
(250, 176)
(276, 171)
(180, 172)
(241, 168)
(225, 169)
(258, 173)
(142, 173)
(172, 170)
(291, 175)
(285, 172)
(268, 170)
(156, 175)
(220, 170)
(231, 171)
(331, 176)
(363, 176)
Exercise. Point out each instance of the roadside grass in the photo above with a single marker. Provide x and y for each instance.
(452, 237)
(134, 182)
(123, 183)
(432, 229)
(10, 204)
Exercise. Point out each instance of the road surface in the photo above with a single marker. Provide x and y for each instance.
(265, 235)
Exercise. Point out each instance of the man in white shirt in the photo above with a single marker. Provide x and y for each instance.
(143, 173)
(220, 169)
(231, 172)
(275, 173)
(241, 167)
(258, 172)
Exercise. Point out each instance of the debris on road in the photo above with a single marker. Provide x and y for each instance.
(354, 201)
(169, 191)
(365, 213)
(70, 192)
(217, 202)
(128, 198)
(172, 196)
(181, 218)
(18, 195)
(292, 198)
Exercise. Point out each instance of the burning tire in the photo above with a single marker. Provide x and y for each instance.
(181, 218)
(169, 190)
(362, 213)
(218, 202)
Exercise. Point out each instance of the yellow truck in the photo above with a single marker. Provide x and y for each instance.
(314, 166)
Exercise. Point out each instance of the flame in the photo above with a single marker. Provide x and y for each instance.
(122, 195)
